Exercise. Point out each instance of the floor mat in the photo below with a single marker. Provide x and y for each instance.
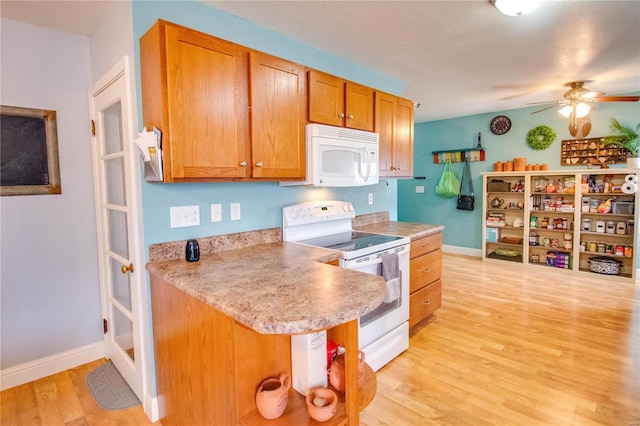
(109, 389)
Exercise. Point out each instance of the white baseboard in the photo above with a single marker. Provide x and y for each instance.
(43, 367)
(466, 251)
(152, 407)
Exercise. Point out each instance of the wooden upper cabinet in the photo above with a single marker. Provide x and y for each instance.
(194, 89)
(394, 124)
(338, 102)
(277, 96)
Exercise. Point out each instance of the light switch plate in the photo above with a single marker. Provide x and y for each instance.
(370, 199)
(419, 189)
(183, 216)
(216, 212)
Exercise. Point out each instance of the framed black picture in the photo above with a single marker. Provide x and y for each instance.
(29, 163)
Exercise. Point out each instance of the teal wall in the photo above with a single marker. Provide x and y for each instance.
(261, 202)
(464, 228)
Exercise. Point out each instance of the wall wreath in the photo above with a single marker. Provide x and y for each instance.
(541, 137)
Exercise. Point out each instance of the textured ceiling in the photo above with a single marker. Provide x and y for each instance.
(456, 57)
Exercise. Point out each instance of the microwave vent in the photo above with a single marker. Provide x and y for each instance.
(321, 130)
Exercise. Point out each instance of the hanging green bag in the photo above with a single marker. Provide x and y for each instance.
(448, 185)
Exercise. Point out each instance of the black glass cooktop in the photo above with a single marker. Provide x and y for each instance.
(350, 241)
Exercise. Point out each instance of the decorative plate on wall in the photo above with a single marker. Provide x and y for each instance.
(500, 125)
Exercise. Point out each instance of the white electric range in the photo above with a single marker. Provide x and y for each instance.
(383, 333)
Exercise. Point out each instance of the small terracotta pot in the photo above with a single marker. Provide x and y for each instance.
(321, 403)
(272, 396)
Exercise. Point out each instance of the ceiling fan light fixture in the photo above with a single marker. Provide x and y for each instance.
(583, 109)
(566, 110)
(515, 7)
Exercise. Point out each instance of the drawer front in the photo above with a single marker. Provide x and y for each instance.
(426, 245)
(425, 302)
(425, 269)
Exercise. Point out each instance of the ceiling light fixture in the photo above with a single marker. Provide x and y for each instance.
(581, 109)
(515, 7)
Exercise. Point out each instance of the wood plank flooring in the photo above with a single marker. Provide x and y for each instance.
(522, 345)
(62, 399)
(514, 345)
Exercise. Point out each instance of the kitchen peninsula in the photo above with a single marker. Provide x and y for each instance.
(222, 325)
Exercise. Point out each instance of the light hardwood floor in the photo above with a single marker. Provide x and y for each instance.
(511, 345)
(518, 345)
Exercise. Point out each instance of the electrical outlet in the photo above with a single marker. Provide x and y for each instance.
(235, 211)
(370, 199)
(216, 212)
(184, 216)
(419, 189)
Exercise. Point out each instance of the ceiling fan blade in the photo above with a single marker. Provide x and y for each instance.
(616, 99)
(544, 109)
(542, 103)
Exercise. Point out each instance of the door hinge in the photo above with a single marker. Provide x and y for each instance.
(93, 133)
(105, 327)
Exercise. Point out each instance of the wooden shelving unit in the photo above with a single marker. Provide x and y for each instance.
(561, 225)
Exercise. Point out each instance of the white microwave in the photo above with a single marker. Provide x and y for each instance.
(340, 157)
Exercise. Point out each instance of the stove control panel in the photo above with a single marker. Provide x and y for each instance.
(316, 211)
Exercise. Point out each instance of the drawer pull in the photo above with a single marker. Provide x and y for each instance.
(426, 244)
(426, 302)
(425, 270)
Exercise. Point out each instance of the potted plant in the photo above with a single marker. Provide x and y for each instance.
(626, 137)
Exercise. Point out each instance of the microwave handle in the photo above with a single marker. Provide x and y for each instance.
(368, 160)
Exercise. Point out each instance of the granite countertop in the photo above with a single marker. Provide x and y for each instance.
(410, 230)
(276, 287)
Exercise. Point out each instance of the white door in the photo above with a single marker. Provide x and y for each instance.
(112, 139)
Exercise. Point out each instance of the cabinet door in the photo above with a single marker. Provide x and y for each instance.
(326, 98)
(278, 115)
(358, 107)
(385, 127)
(394, 124)
(206, 88)
(403, 142)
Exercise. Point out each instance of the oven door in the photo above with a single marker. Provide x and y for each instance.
(387, 316)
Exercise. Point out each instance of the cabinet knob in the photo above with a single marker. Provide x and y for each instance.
(124, 269)
(243, 164)
(259, 164)
(426, 302)
(350, 117)
(341, 115)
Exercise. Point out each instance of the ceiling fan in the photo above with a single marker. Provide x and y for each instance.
(577, 105)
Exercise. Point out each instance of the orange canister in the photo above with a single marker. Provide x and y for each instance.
(519, 164)
(507, 166)
(497, 166)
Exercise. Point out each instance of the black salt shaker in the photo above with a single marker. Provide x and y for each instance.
(192, 251)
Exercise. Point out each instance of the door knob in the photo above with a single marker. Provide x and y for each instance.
(126, 268)
(341, 115)
(243, 163)
(259, 164)
(350, 116)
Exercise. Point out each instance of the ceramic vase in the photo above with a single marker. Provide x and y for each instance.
(633, 163)
(337, 372)
(272, 396)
